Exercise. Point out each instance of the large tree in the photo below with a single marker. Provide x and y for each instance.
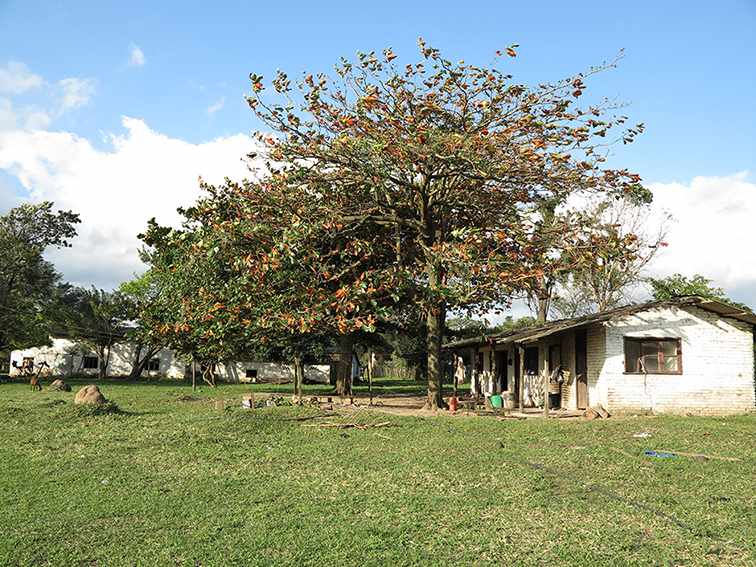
(611, 275)
(451, 165)
(254, 269)
(28, 282)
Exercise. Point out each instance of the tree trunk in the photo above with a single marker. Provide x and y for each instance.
(543, 309)
(140, 363)
(344, 367)
(102, 362)
(298, 375)
(136, 366)
(435, 320)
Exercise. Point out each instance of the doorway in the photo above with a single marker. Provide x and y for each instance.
(501, 370)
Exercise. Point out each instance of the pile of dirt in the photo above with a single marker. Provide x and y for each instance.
(188, 398)
(60, 386)
(90, 395)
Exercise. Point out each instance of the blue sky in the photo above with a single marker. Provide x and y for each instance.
(689, 69)
(688, 72)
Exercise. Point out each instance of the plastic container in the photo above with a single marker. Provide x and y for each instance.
(496, 401)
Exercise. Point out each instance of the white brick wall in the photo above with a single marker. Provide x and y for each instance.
(65, 359)
(717, 361)
(597, 378)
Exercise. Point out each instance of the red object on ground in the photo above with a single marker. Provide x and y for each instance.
(453, 405)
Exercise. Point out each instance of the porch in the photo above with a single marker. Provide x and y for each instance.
(545, 369)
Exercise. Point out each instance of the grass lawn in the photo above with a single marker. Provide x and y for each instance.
(172, 482)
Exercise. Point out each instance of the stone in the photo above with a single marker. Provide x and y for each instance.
(90, 395)
(591, 413)
(60, 385)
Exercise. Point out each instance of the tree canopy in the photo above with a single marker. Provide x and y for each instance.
(28, 282)
(678, 285)
(391, 184)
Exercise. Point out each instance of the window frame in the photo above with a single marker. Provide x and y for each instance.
(149, 366)
(90, 357)
(659, 354)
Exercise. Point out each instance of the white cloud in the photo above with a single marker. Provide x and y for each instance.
(136, 57)
(17, 78)
(7, 115)
(714, 233)
(60, 97)
(75, 93)
(28, 117)
(143, 174)
(216, 106)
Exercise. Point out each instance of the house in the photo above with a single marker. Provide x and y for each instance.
(683, 355)
(66, 357)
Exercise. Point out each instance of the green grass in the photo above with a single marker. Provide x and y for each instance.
(170, 482)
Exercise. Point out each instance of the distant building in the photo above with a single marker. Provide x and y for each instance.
(66, 358)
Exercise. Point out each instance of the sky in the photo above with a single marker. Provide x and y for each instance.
(115, 109)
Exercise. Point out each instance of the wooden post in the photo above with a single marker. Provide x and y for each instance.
(521, 393)
(545, 372)
(194, 377)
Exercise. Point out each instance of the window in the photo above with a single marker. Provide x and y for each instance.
(153, 365)
(251, 373)
(89, 363)
(653, 356)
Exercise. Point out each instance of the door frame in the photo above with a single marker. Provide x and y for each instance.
(581, 369)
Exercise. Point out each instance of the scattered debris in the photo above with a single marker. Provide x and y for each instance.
(660, 454)
(698, 456)
(335, 425)
(591, 413)
(642, 435)
(90, 395)
(596, 412)
(60, 385)
(188, 398)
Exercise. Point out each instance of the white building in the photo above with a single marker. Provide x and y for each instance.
(69, 358)
(687, 355)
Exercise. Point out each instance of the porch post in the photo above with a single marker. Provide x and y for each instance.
(521, 388)
(545, 372)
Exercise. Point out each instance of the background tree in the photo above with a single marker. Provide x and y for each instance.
(678, 285)
(449, 164)
(28, 282)
(137, 296)
(247, 272)
(610, 276)
(97, 320)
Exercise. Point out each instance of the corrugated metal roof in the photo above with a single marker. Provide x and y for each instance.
(534, 333)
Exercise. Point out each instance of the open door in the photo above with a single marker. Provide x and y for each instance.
(516, 374)
(501, 370)
(581, 368)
